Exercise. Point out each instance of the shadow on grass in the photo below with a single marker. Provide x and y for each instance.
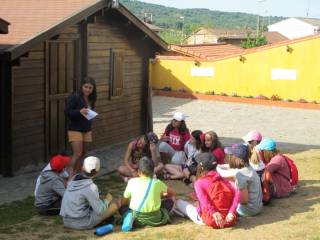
(20, 218)
(302, 201)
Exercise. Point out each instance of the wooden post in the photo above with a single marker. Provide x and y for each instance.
(6, 90)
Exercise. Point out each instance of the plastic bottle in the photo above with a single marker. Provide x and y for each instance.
(103, 230)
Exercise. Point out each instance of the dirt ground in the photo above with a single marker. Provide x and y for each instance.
(296, 217)
(294, 129)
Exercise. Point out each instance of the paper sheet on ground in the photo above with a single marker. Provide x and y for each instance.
(90, 115)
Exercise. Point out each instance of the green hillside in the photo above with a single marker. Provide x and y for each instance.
(175, 27)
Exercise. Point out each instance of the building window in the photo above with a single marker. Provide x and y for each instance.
(116, 73)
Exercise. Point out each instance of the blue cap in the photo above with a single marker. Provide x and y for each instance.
(152, 137)
(267, 144)
(238, 150)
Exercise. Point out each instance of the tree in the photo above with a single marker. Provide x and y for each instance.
(252, 42)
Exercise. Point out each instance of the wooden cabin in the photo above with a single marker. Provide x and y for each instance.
(50, 47)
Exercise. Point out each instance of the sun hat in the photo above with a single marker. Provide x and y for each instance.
(179, 116)
(58, 162)
(267, 144)
(91, 163)
(252, 136)
(238, 150)
(207, 160)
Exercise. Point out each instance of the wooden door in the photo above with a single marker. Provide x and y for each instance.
(61, 71)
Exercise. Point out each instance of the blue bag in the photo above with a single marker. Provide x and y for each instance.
(130, 215)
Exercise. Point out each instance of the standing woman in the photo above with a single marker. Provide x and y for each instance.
(79, 127)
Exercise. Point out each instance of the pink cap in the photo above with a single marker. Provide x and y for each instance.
(252, 136)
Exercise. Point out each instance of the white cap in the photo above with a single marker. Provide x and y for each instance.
(91, 163)
(179, 116)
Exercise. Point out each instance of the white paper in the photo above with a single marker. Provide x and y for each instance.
(283, 74)
(202, 72)
(90, 115)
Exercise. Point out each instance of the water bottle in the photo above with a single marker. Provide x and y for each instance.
(103, 230)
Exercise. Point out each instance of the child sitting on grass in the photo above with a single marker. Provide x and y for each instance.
(50, 186)
(145, 145)
(246, 180)
(171, 147)
(217, 198)
(252, 139)
(155, 210)
(81, 206)
(187, 170)
(277, 173)
(211, 143)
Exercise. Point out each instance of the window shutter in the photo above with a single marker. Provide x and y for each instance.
(116, 74)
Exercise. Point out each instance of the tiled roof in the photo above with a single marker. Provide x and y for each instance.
(274, 37)
(201, 52)
(224, 32)
(32, 21)
(312, 21)
(28, 18)
(207, 51)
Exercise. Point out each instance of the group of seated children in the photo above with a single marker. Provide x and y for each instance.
(228, 182)
(79, 202)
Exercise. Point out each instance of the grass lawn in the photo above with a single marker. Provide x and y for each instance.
(297, 217)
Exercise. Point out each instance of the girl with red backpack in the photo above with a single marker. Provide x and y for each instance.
(277, 175)
(217, 198)
(145, 145)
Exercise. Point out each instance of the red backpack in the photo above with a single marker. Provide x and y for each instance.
(294, 174)
(221, 195)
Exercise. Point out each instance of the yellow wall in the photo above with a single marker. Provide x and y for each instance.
(251, 78)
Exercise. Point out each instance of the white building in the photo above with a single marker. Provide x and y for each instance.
(293, 28)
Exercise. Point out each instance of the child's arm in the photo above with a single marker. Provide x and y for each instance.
(125, 201)
(204, 201)
(165, 135)
(58, 186)
(236, 199)
(244, 196)
(186, 136)
(274, 164)
(170, 193)
(153, 150)
(70, 110)
(242, 186)
(127, 156)
(95, 202)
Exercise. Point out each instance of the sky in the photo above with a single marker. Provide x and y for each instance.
(286, 8)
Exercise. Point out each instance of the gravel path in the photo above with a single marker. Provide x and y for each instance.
(295, 130)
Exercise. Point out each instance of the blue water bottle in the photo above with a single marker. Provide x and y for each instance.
(103, 230)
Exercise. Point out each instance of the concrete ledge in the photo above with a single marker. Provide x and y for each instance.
(236, 99)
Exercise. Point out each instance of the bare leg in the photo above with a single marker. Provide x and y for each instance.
(174, 171)
(164, 157)
(85, 148)
(189, 210)
(77, 149)
(158, 168)
(125, 171)
(110, 211)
